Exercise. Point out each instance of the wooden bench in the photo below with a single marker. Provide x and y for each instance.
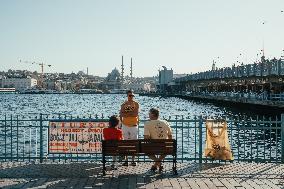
(140, 147)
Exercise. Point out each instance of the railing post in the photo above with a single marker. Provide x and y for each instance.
(282, 138)
(41, 139)
(5, 145)
(200, 139)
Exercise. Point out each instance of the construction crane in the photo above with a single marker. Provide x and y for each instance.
(41, 64)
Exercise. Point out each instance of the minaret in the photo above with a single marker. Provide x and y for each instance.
(262, 57)
(213, 66)
(131, 73)
(122, 70)
(87, 71)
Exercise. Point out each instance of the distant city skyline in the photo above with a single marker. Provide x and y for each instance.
(184, 35)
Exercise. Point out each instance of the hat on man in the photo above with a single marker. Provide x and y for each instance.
(130, 91)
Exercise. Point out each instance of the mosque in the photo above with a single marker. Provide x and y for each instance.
(116, 82)
(113, 81)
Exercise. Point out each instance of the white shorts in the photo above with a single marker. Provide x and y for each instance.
(129, 133)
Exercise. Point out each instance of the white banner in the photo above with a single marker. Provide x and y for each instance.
(75, 137)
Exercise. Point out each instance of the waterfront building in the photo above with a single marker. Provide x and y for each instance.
(112, 81)
(19, 84)
(149, 87)
(140, 87)
(53, 85)
(165, 77)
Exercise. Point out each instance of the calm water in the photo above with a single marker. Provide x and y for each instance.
(108, 104)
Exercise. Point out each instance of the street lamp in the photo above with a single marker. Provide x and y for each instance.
(264, 22)
(239, 59)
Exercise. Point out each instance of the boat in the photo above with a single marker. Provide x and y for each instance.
(7, 90)
(118, 91)
(89, 91)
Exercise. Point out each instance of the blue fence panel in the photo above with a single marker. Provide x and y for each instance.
(258, 140)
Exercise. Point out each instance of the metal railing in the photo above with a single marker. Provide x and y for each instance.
(264, 68)
(240, 95)
(255, 140)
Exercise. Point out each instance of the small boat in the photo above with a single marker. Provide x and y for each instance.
(118, 91)
(7, 90)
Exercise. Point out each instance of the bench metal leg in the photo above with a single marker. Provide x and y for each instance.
(104, 165)
(175, 165)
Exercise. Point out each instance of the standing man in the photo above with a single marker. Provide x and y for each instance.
(157, 129)
(129, 118)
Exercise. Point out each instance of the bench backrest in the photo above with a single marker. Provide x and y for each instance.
(139, 147)
(120, 147)
(158, 146)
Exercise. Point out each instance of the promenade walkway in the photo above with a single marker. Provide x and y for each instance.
(191, 175)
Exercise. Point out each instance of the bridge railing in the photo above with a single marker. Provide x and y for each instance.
(265, 68)
(238, 95)
(255, 140)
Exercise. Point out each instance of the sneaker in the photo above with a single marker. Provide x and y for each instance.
(133, 163)
(153, 168)
(113, 167)
(161, 169)
(125, 163)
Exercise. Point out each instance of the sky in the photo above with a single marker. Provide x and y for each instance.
(185, 35)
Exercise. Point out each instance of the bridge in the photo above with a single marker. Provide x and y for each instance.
(266, 75)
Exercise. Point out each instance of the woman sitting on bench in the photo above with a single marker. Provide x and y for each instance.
(113, 133)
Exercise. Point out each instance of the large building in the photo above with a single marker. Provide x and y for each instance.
(18, 83)
(112, 81)
(165, 78)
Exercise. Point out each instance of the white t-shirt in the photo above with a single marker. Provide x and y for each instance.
(157, 129)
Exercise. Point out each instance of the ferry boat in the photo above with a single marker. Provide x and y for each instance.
(40, 91)
(7, 90)
(89, 91)
(118, 91)
(32, 91)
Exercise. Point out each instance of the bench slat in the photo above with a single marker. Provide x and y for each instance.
(153, 152)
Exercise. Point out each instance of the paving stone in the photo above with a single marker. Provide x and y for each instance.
(191, 175)
(193, 184)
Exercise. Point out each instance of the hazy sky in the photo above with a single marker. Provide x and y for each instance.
(185, 35)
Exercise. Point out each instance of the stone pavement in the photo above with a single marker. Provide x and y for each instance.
(190, 175)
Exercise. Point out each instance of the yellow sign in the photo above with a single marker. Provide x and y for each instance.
(75, 137)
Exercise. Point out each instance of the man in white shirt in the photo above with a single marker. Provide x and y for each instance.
(157, 129)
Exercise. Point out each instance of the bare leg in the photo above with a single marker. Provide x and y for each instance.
(113, 163)
(160, 159)
(126, 161)
(113, 159)
(155, 160)
(133, 163)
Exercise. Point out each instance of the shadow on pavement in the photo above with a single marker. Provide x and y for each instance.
(89, 175)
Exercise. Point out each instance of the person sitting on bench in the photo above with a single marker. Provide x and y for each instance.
(113, 133)
(157, 129)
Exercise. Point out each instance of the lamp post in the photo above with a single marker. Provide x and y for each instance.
(263, 40)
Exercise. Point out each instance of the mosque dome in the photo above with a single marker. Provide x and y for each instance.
(114, 75)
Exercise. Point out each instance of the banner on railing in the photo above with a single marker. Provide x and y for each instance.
(217, 140)
(70, 137)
